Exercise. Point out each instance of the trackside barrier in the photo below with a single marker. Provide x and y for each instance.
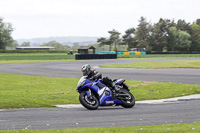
(132, 52)
(120, 53)
(143, 53)
(95, 56)
(137, 53)
(110, 52)
(100, 53)
(126, 53)
(123, 53)
(106, 52)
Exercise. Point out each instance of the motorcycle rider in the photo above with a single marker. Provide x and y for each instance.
(93, 75)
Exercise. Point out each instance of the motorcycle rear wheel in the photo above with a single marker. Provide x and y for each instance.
(88, 103)
(129, 103)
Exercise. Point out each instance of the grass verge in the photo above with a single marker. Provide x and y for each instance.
(9, 58)
(157, 64)
(64, 56)
(24, 91)
(29, 61)
(36, 56)
(176, 128)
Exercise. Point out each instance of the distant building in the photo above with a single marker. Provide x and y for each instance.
(86, 50)
(35, 48)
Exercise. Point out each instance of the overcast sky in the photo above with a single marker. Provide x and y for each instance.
(53, 18)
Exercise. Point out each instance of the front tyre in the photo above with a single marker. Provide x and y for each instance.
(128, 101)
(89, 103)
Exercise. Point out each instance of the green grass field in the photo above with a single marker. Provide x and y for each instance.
(10, 58)
(28, 61)
(36, 56)
(157, 64)
(24, 91)
(167, 128)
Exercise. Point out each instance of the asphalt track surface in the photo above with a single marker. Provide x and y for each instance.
(72, 69)
(139, 115)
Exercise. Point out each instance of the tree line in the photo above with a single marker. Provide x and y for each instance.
(165, 35)
(5, 34)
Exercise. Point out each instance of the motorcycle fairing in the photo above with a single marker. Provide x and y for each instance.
(119, 81)
(105, 94)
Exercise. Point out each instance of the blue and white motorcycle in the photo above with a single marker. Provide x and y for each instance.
(95, 93)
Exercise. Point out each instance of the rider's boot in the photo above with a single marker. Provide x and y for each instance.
(115, 90)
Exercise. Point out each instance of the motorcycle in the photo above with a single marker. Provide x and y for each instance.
(70, 52)
(95, 93)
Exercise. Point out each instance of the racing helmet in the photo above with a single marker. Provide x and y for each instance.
(86, 69)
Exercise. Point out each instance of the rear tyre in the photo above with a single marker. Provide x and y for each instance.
(127, 102)
(88, 103)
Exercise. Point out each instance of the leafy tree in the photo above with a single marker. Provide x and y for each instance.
(181, 40)
(198, 22)
(183, 26)
(114, 38)
(142, 33)
(158, 36)
(158, 39)
(195, 37)
(129, 39)
(172, 38)
(5, 34)
(103, 41)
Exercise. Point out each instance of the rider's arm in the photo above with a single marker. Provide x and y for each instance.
(97, 75)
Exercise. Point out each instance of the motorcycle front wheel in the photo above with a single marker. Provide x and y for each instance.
(127, 102)
(89, 103)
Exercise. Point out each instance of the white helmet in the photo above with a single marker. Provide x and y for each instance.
(86, 69)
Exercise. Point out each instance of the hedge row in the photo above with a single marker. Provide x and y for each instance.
(34, 51)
